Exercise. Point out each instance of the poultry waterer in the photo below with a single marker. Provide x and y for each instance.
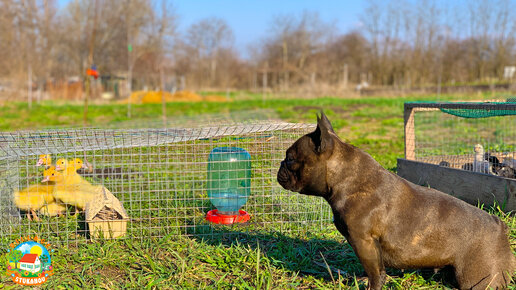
(229, 184)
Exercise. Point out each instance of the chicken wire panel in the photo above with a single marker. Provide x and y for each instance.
(221, 119)
(242, 117)
(471, 136)
(160, 177)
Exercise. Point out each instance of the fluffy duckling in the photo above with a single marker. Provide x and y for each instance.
(506, 171)
(480, 164)
(53, 209)
(44, 159)
(509, 161)
(69, 169)
(61, 164)
(76, 163)
(444, 164)
(34, 197)
(494, 161)
(71, 192)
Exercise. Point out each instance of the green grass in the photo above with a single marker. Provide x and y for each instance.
(306, 258)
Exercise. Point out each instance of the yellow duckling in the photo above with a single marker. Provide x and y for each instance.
(53, 209)
(78, 164)
(69, 169)
(34, 197)
(44, 159)
(72, 190)
(61, 164)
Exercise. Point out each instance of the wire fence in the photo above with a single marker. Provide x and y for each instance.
(474, 136)
(158, 175)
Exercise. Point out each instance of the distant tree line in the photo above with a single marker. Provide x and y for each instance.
(397, 43)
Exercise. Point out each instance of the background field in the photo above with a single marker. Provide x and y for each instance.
(313, 259)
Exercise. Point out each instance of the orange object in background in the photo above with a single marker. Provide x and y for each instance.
(154, 97)
(92, 72)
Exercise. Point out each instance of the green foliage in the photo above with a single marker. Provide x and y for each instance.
(15, 256)
(44, 258)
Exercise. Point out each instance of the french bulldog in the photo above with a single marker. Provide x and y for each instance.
(390, 222)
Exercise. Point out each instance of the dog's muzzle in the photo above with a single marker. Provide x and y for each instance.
(283, 176)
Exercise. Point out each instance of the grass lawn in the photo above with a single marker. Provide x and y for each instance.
(318, 259)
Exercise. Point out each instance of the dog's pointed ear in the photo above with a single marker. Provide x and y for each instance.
(324, 123)
(321, 137)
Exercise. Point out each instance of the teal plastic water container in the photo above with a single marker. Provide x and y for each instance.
(229, 179)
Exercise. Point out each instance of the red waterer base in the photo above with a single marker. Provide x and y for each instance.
(215, 217)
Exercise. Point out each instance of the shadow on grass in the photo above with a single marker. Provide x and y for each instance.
(310, 255)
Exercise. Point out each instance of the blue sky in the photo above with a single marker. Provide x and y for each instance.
(250, 19)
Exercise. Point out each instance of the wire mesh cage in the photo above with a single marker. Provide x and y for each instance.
(463, 149)
(153, 181)
(475, 136)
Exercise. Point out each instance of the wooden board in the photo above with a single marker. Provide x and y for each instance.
(472, 187)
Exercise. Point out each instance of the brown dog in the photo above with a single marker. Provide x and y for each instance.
(391, 222)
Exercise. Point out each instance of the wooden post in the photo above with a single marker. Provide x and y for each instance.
(87, 89)
(90, 63)
(255, 82)
(163, 100)
(345, 76)
(29, 87)
(38, 95)
(183, 83)
(129, 90)
(129, 61)
(264, 80)
(410, 137)
(285, 70)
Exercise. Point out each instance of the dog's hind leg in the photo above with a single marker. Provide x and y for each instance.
(369, 253)
(489, 264)
(479, 271)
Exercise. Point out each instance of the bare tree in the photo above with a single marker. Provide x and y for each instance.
(400, 43)
(207, 39)
(293, 48)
